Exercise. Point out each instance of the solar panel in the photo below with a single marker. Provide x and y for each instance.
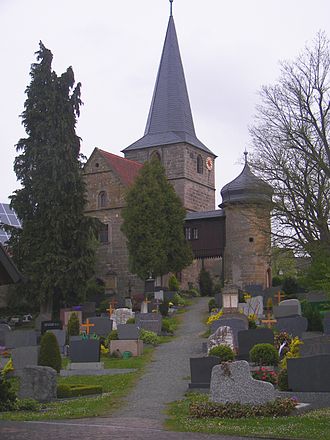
(8, 217)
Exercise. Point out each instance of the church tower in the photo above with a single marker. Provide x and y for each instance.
(170, 133)
(247, 202)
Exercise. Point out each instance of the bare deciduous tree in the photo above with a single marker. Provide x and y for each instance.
(291, 138)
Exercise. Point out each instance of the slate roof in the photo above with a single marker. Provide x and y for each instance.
(205, 214)
(246, 188)
(170, 119)
(126, 169)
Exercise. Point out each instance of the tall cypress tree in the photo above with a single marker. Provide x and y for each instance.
(55, 247)
(154, 224)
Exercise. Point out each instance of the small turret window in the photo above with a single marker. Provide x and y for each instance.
(199, 164)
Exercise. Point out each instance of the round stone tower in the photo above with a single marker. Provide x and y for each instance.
(247, 202)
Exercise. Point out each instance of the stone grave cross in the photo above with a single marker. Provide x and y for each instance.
(144, 306)
(88, 325)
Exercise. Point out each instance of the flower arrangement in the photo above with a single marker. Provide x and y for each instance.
(294, 351)
(214, 317)
(265, 375)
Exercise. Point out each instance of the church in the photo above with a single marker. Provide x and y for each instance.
(233, 242)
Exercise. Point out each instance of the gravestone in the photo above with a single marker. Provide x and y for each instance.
(169, 296)
(51, 325)
(144, 307)
(41, 318)
(309, 374)
(294, 325)
(286, 308)
(38, 383)
(222, 336)
(149, 321)
(253, 306)
(326, 323)
(24, 356)
(20, 338)
(292, 302)
(200, 371)
(234, 383)
(236, 323)
(314, 346)
(122, 315)
(119, 346)
(4, 329)
(128, 304)
(128, 331)
(102, 326)
(84, 350)
(61, 338)
(159, 295)
(249, 338)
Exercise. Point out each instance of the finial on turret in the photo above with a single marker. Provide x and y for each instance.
(245, 154)
(171, 4)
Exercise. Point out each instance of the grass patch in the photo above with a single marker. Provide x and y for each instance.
(118, 386)
(313, 425)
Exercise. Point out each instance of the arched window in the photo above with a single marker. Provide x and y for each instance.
(199, 164)
(104, 233)
(155, 155)
(102, 199)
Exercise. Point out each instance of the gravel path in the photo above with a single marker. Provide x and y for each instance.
(167, 376)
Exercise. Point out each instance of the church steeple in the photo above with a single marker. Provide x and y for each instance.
(170, 119)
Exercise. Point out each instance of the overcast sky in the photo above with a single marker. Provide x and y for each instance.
(229, 50)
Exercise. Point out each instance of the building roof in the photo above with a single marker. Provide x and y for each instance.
(126, 169)
(8, 271)
(205, 214)
(170, 119)
(246, 188)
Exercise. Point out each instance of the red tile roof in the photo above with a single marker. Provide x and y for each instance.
(126, 169)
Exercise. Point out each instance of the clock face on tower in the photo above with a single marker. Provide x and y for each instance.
(209, 163)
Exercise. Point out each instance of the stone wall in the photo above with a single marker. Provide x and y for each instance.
(247, 253)
(196, 190)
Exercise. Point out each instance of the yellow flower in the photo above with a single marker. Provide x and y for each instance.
(214, 317)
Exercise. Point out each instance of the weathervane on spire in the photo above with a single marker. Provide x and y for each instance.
(245, 154)
(171, 2)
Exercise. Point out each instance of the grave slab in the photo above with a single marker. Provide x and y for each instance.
(238, 385)
(249, 338)
(222, 336)
(309, 374)
(149, 321)
(102, 326)
(82, 350)
(134, 346)
(128, 331)
(20, 338)
(24, 356)
(86, 366)
(200, 371)
(315, 346)
(236, 324)
(294, 325)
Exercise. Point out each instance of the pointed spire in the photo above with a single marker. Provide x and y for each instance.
(246, 155)
(170, 119)
(171, 10)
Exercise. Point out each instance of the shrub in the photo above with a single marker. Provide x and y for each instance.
(149, 337)
(252, 321)
(167, 326)
(26, 405)
(113, 335)
(7, 394)
(294, 351)
(277, 408)
(264, 354)
(212, 304)
(313, 316)
(178, 300)
(265, 375)
(50, 355)
(205, 283)
(173, 283)
(282, 380)
(130, 321)
(65, 390)
(290, 285)
(73, 325)
(224, 352)
(277, 281)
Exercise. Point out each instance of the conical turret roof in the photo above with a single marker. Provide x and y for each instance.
(170, 118)
(246, 188)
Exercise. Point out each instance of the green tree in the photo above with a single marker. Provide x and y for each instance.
(154, 224)
(50, 355)
(205, 283)
(55, 248)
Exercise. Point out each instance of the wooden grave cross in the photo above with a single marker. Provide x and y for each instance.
(269, 322)
(279, 297)
(88, 325)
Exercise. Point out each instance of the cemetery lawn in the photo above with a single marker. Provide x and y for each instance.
(115, 387)
(312, 425)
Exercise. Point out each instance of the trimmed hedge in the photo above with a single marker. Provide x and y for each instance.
(77, 390)
(50, 355)
(264, 354)
(224, 352)
(277, 408)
